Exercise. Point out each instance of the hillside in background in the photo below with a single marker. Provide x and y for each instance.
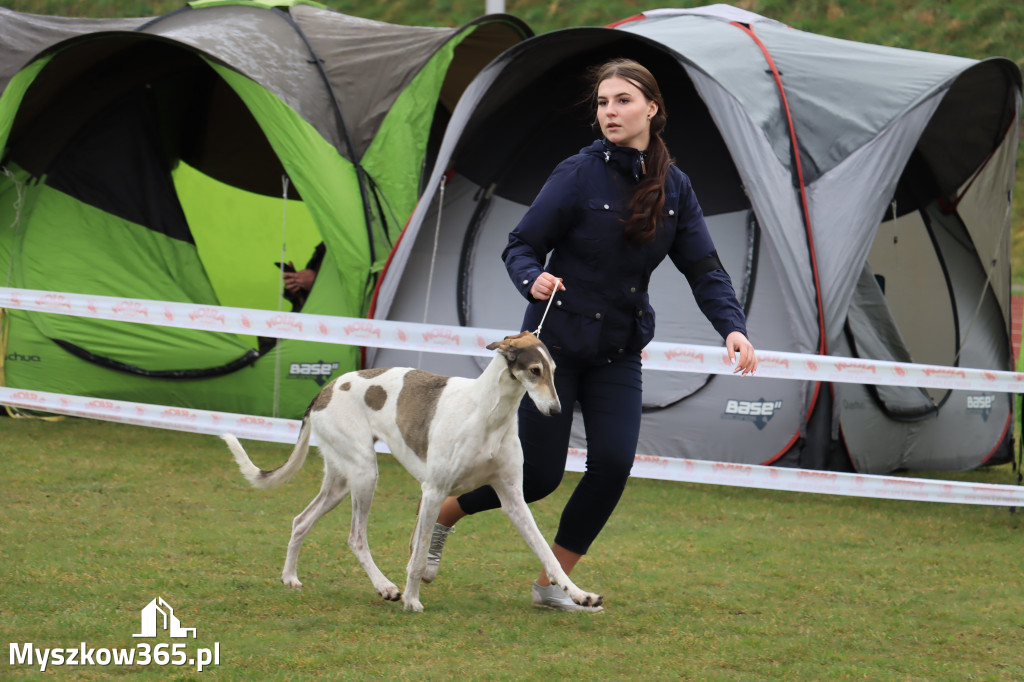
(979, 29)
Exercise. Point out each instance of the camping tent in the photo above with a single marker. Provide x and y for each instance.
(179, 157)
(858, 195)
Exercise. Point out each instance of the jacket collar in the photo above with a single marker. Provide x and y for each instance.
(626, 160)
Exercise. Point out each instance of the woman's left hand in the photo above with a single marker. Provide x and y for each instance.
(299, 281)
(738, 345)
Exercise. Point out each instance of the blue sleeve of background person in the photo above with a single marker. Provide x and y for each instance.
(550, 214)
(713, 288)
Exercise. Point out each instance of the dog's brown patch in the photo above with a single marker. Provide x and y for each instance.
(345, 386)
(531, 355)
(375, 397)
(372, 373)
(322, 399)
(417, 403)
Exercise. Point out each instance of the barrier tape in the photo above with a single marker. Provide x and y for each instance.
(821, 482)
(269, 429)
(674, 357)
(276, 430)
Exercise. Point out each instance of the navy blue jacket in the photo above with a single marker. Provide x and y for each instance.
(578, 218)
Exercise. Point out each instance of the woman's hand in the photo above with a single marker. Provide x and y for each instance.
(545, 285)
(299, 281)
(737, 344)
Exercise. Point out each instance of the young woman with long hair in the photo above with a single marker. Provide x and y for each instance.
(607, 216)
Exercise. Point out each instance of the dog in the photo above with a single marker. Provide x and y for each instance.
(451, 433)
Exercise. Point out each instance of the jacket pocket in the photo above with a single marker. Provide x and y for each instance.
(603, 205)
(574, 325)
(643, 330)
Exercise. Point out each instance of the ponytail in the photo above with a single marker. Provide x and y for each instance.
(649, 195)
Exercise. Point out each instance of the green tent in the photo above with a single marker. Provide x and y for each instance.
(178, 158)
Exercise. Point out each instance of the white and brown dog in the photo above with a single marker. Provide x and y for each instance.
(453, 434)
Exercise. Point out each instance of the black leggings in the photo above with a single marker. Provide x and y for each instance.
(610, 396)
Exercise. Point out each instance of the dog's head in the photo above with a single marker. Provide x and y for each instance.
(530, 363)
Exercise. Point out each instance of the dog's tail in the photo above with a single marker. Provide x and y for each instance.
(275, 477)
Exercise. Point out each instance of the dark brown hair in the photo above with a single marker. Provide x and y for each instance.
(649, 195)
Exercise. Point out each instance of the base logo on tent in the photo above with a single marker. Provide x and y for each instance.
(981, 404)
(759, 412)
(319, 371)
(18, 357)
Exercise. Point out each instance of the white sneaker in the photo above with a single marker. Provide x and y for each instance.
(437, 539)
(554, 597)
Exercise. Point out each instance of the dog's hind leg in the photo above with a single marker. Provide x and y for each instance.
(514, 506)
(332, 492)
(430, 507)
(362, 484)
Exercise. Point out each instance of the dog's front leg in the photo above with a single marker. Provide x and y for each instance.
(515, 507)
(430, 507)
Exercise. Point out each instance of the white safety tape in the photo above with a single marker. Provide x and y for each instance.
(663, 468)
(270, 429)
(811, 481)
(455, 340)
(249, 321)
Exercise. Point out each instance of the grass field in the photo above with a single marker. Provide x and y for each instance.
(700, 582)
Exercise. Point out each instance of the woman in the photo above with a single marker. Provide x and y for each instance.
(607, 216)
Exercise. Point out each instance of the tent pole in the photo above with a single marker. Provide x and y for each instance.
(806, 212)
(280, 296)
(361, 174)
(798, 172)
(433, 259)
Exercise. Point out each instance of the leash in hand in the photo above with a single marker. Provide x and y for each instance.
(551, 298)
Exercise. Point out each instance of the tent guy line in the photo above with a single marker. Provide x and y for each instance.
(285, 431)
(472, 341)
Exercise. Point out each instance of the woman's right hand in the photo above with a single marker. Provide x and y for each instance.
(545, 285)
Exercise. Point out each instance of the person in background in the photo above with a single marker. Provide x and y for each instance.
(297, 284)
(607, 217)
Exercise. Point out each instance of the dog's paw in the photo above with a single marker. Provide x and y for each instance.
(588, 599)
(390, 593)
(412, 605)
(291, 581)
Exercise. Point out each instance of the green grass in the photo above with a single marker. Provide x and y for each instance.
(700, 582)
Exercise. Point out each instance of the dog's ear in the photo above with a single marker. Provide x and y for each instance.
(507, 350)
(504, 342)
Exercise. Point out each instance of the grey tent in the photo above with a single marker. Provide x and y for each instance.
(859, 197)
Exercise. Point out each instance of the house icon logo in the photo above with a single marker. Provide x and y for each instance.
(158, 614)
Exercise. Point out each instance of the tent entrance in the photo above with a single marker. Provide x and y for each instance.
(505, 152)
(930, 293)
(109, 194)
